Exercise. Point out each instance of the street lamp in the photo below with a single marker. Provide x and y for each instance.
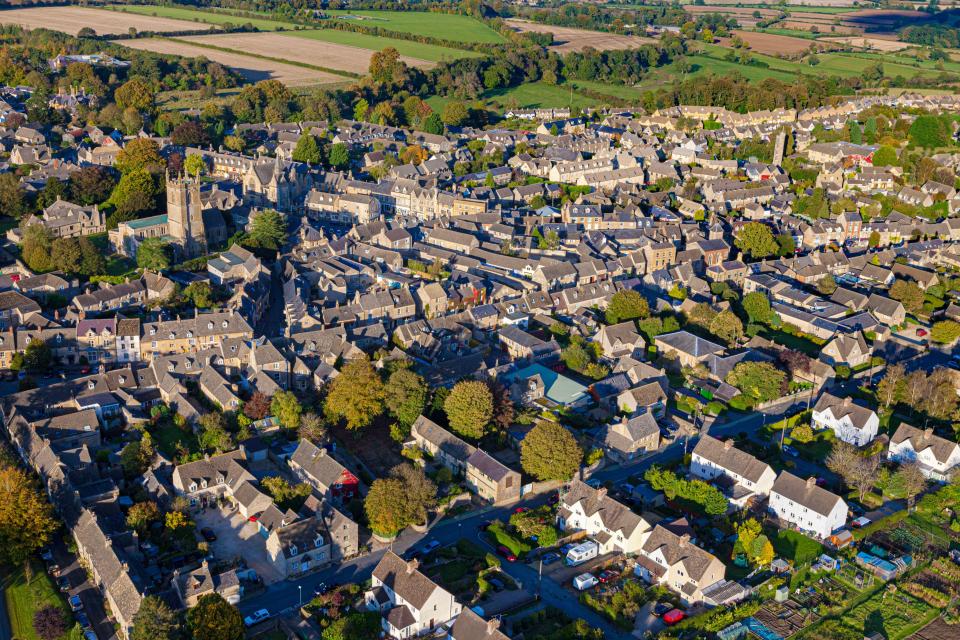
(300, 595)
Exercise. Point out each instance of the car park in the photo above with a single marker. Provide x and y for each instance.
(256, 617)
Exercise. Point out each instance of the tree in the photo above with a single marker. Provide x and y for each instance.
(287, 409)
(153, 254)
(176, 520)
(756, 240)
(200, 293)
(268, 230)
(909, 293)
(356, 395)
(286, 495)
(307, 150)
(92, 262)
(213, 434)
(759, 381)
(469, 408)
(155, 620)
(909, 477)
(134, 93)
(455, 114)
(419, 492)
(339, 156)
(27, 521)
(874, 240)
(727, 326)
(194, 165)
(358, 625)
(37, 356)
(136, 193)
(891, 387)
(136, 457)
(384, 65)
(826, 285)
(257, 407)
(885, 156)
(312, 427)
(550, 452)
(91, 185)
(626, 304)
(189, 134)
(406, 396)
(802, 433)
(945, 331)
(757, 306)
(141, 515)
(68, 253)
(49, 622)
(385, 514)
(930, 132)
(140, 153)
(361, 109)
(35, 248)
(433, 124)
(213, 618)
(13, 201)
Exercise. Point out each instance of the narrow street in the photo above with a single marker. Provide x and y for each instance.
(80, 585)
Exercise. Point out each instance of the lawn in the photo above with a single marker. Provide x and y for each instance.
(538, 95)
(210, 17)
(622, 91)
(799, 343)
(405, 47)
(446, 26)
(499, 535)
(795, 546)
(24, 598)
(168, 438)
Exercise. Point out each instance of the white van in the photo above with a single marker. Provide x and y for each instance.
(582, 552)
(585, 581)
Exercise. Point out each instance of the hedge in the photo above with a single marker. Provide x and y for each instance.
(503, 537)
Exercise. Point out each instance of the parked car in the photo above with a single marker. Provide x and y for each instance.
(256, 617)
(521, 509)
(47, 555)
(506, 553)
(253, 518)
(790, 451)
(430, 547)
(585, 581)
(76, 604)
(90, 635)
(673, 616)
(83, 620)
(608, 576)
(208, 534)
(862, 521)
(921, 332)
(63, 584)
(661, 608)
(550, 558)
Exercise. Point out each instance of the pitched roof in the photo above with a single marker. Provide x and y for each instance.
(805, 493)
(316, 462)
(844, 407)
(613, 515)
(726, 456)
(677, 549)
(921, 440)
(404, 579)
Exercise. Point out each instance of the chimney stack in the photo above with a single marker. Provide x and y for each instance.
(927, 433)
(492, 625)
(727, 445)
(811, 482)
(412, 565)
(684, 539)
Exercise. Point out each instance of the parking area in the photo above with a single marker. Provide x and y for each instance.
(238, 538)
(563, 575)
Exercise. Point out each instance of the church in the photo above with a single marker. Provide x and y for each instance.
(188, 225)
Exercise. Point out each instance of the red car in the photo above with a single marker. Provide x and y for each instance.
(85, 370)
(673, 616)
(608, 576)
(253, 518)
(506, 553)
(921, 333)
(521, 510)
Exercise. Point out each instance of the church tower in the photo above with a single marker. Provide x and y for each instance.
(185, 217)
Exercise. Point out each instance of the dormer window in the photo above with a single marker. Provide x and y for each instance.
(293, 550)
(170, 367)
(189, 334)
(224, 325)
(193, 486)
(90, 384)
(203, 484)
(153, 331)
(86, 427)
(276, 366)
(172, 335)
(122, 379)
(209, 325)
(318, 542)
(220, 479)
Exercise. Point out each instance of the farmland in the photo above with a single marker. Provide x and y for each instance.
(435, 25)
(772, 44)
(210, 17)
(566, 39)
(251, 68)
(334, 56)
(72, 19)
(408, 48)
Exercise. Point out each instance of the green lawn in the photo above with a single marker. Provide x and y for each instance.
(795, 546)
(622, 91)
(538, 94)
(210, 17)
(24, 598)
(435, 25)
(169, 437)
(405, 47)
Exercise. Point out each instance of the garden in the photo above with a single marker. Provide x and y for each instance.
(619, 603)
(33, 602)
(795, 547)
(467, 571)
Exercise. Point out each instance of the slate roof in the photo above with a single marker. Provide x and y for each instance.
(678, 549)
(404, 579)
(804, 493)
(615, 516)
(842, 407)
(316, 462)
(730, 458)
(921, 440)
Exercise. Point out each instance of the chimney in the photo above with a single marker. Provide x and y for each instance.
(811, 482)
(847, 401)
(684, 539)
(602, 492)
(727, 445)
(412, 565)
(927, 434)
(492, 625)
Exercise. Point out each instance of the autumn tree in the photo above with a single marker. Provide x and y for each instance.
(307, 150)
(213, 618)
(140, 153)
(286, 495)
(50, 622)
(757, 307)
(287, 409)
(756, 240)
(385, 65)
(945, 331)
(257, 407)
(155, 620)
(758, 381)
(857, 471)
(212, 432)
(141, 515)
(134, 93)
(908, 293)
(27, 521)
(194, 165)
(469, 408)
(312, 427)
(753, 543)
(136, 457)
(826, 285)
(727, 326)
(385, 514)
(550, 452)
(356, 395)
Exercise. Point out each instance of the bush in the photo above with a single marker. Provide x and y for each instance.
(501, 536)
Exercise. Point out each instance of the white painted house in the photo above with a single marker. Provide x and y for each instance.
(668, 558)
(848, 420)
(936, 456)
(411, 603)
(613, 525)
(810, 508)
(714, 458)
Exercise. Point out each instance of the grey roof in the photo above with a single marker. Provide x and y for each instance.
(404, 579)
(677, 549)
(470, 626)
(615, 516)
(726, 456)
(689, 343)
(625, 435)
(841, 407)
(442, 439)
(805, 493)
(921, 440)
(317, 463)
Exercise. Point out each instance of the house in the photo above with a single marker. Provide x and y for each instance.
(889, 312)
(611, 524)
(849, 421)
(810, 508)
(847, 350)
(648, 397)
(537, 385)
(686, 348)
(298, 547)
(410, 602)
(936, 456)
(618, 340)
(205, 481)
(670, 559)
(521, 345)
(190, 586)
(470, 626)
(630, 437)
(750, 477)
(316, 466)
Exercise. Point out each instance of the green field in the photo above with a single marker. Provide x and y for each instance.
(538, 95)
(210, 17)
(622, 91)
(405, 47)
(435, 25)
(23, 599)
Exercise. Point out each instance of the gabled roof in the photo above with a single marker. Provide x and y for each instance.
(805, 493)
(728, 457)
(404, 579)
(614, 515)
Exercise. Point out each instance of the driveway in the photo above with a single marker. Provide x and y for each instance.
(238, 538)
(646, 622)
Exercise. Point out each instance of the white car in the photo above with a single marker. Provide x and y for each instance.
(256, 617)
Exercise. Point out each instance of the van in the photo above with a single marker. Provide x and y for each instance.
(585, 581)
(582, 552)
